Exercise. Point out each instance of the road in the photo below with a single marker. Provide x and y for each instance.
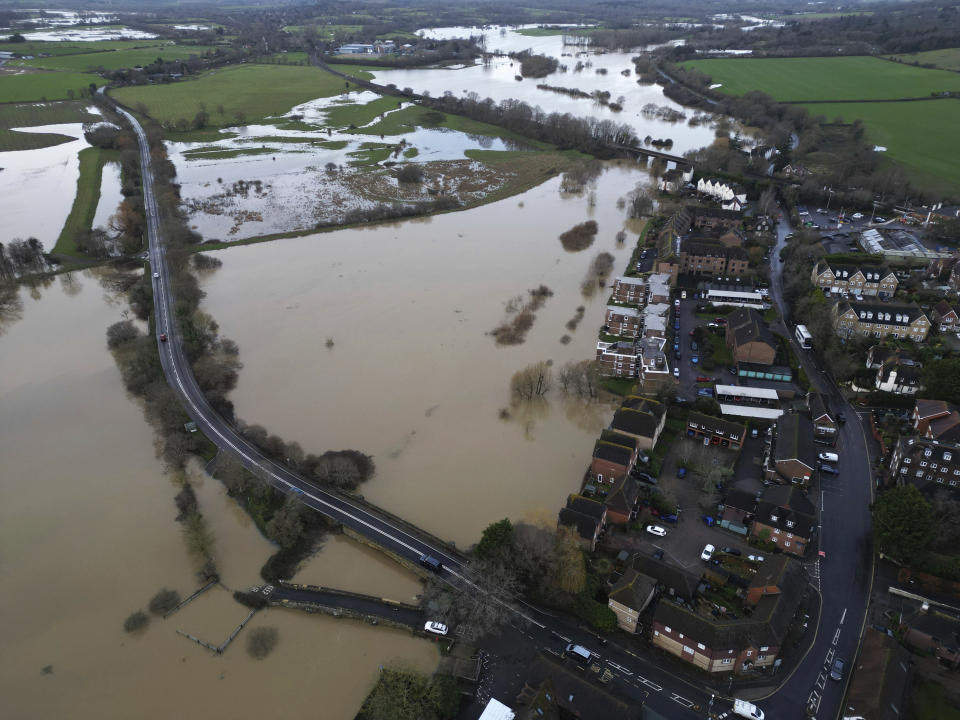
(845, 577)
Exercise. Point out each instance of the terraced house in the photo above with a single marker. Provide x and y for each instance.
(623, 321)
(872, 319)
(630, 290)
(641, 418)
(618, 359)
(866, 280)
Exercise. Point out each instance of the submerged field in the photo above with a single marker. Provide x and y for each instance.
(37, 114)
(825, 78)
(919, 135)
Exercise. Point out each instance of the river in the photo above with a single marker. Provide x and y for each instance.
(88, 536)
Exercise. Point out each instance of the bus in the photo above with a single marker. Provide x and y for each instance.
(804, 337)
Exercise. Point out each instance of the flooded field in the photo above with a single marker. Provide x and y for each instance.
(110, 195)
(603, 72)
(413, 377)
(88, 536)
(38, 186)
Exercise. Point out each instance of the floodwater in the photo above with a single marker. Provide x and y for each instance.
(88, 536)
(110, 195)
(413, 378)
(44, 178)
(497, 81)
(91, 34)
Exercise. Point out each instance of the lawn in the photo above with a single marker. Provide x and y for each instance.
(116, 59)
(930, 700)
(825, 78)
(921, 136)
(29, 115)
(43, 86)
(258, 91)
(85, 202)
(948, 58)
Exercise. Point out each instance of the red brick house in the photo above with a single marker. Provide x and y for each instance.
(622, 501)
(611, 463)
(749, 339)
(945, 316)
(623, 321)
(785, 517)
(630, 290)
(618, 359)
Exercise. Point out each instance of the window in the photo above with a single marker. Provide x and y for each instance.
(681, 636)
(776, 531)
(903, 471)
(749, 653)
(656, 633)
(667, 629)
(923, 463)
(928, 452)
(701, 646)
(764, 648)
(761, 658)
(907, 461)
(786, 543)
(948, 456)
(919, 473)
(790, 523)
(726, 661)
(774, 518)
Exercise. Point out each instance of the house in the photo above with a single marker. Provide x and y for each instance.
(612, 461)
(926, 464)
(629, 597)
(792, 454)
(945, 429)
(655, 320)
(618, 359)
(723, 433)
(749, 339)
(924, 411)
(865, 280)
(672, 581)
(877, 355)
(587, 517)
(899, 375)
(713, 256)
(623, 321)
(673, 180)
(945, 316)
(824, 423)
(630, 290)
(742, 401)
(796, 171)
(879, 684)
(785, 517)
(731, 643)
(658, 287)
(723, 191)
(708, 218)
(851, 318)
(641, 418)
(622, 501)
(936, 632)
(653, 368)
(737, 511)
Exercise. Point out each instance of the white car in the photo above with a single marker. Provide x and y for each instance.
(676, 372)
(755, 558)
(707, 552)
(857, 216)
(156, 275)
(747, 710)
(436, 628)
(829, 457)
(656, 530)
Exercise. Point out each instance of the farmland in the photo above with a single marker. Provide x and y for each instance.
(14, 116)
(918, 135)
(825, 78)
(43, 86)
(115, 59)
(948, 58)
(257, 91)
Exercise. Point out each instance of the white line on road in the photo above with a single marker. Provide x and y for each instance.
(821, 680)
(829, 659)
(619, 667)
(652, 685)
(844, 616)
(681, 700)
(836, 636)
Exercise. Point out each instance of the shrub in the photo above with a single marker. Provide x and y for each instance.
(164, 601)
(261, 641)
(411, 173)
(579, 237)
(135, 621)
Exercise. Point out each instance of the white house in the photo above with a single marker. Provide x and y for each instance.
(730, 195)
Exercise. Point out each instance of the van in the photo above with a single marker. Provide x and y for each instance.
(747, 710)
(579, 653)
(431, 563)
(829, 457)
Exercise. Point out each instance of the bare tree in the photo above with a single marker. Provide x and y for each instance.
(533, 381)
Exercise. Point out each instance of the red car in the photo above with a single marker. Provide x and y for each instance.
(691, 333)
(163, 337)
(720, 321)
(703, 378)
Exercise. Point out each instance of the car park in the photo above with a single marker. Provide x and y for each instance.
(707, 553)
(836, 672)
(755, 558)
(657, 530)
(436, 628)
(829, 457)
(730, 551)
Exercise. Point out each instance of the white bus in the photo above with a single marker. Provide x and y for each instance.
(804, 337)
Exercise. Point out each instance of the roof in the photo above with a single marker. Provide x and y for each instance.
(871, 273)
(617, 454)
(819, 408)
(795, 440)
(740, 499)
(785, 519)
(701, 211)
(790, 497)
(624, 280)
(638, 416)
(765, 413)
(633, 590)
(586, 506)
(944, 308)
(878, 687)
(585, 525)
(496, 710)
(886, 313)
(624, 496)
(709, 422)
(628, 311)
(946, 429)
(709, 247)
(750, 392)
(619, 439)
(671, 577)
(931, 408)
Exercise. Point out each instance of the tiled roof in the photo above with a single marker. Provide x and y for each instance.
(795, 439)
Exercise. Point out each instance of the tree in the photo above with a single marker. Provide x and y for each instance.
(484, 607)
(496, 541)
(287, 525)
(403, 693)
(532, 382)
(135, 621)
(570, 574)
(164, 601)
(941, 378)
(261, 641)
(903, 522)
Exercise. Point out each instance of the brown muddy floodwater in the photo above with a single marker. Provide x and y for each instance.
(88, 535)
(412, 377)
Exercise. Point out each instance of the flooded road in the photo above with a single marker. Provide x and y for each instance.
(413, 377)
(88, 536)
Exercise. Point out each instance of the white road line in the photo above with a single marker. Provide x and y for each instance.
(836, 636)
(821, 680)
(649, 684)
(844, 616)
(619, 667)
(829, 659)
(681, 700)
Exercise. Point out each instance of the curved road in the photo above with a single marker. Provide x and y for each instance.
(844, 578)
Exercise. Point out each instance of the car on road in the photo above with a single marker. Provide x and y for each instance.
(879, 219)
(156, 275)
(753, 432)
(747, 710)
(431, 563)
(657, 530)
(579, 653)
(841, 418)
(681, 472)
(730, 551)
(676, 370)
(707, 553)
(755, 558)
(857, 216)
(829, 457)
(436, 628)
(828, 469)
(676, 303)
(163, 337)
(695, 359)
(836, 672)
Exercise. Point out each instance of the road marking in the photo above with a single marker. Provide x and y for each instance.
(619, 667)
(836, 636)
(681, 700)
(649, 684)
(821, 680)
(844, 616)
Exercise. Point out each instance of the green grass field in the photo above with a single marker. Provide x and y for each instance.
(356, 114)
(42, 86)
(919, 135)
(38, 47)
(12, 116)
(948, 58)
(258, 91)
(825, 78)
(85, 201)
(116, 59)
(414, 116)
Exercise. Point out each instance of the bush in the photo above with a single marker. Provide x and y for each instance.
(164, 601)
(579, 237)
(261, 641)
(411, 173)
(252, 600)
(135, 621)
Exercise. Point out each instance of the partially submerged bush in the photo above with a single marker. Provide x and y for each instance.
(164, 601)
(261, 641)
(135, 621)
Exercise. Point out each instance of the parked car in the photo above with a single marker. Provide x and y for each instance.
(692, 332)
(676, 370)
(730, 551)
(828, 469)
(753, 432)
(841, 418)
(829, 457)
(156, 275)
(704, 378)
(695, 359)
(836, 672)
(694, 346)
(755, 558)
(707, 553)
(672, 519)
(657, 530)
(163, 337)
(646, 477)
(436, 628)
(720, 321)
(857, 216)
(643, 457)
(676, 303)
(747, 710)
(705, 392)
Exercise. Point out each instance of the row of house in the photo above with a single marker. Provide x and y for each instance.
(852, 318)
(860, 280)
(731, 196)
